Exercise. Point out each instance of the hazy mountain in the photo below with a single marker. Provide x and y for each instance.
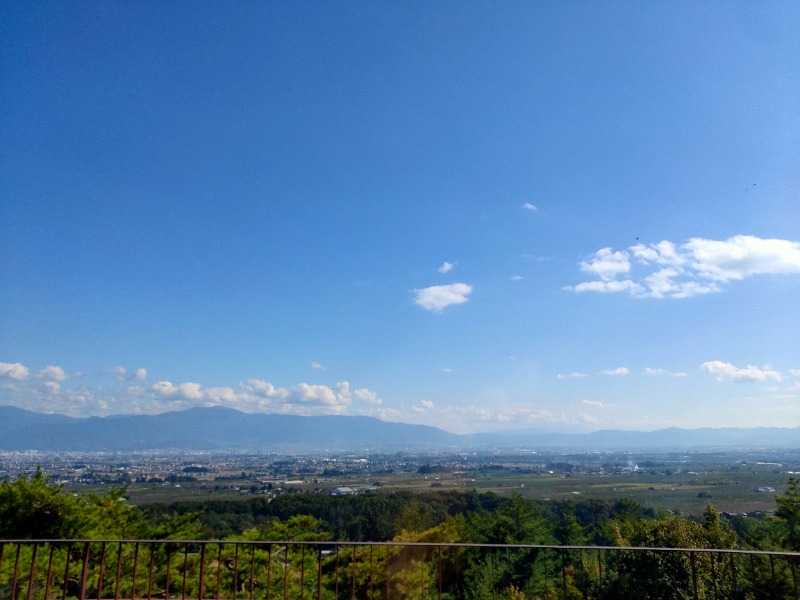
(227, 429)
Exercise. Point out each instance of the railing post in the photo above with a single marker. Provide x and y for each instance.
(150, 574)
(135, 569)
(49, 571)
(564, 574)
(32, 572)
(16, 573)
(202, 571)
(102, 572)
(85, 570)
(119, 571)
(694, 574)
(319, 573)
(66, 570)
(302, 568)
(269, 571)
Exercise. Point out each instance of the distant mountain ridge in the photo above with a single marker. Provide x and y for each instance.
(221, 428)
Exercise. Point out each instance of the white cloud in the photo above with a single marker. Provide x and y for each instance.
(118, 373)
(52, 387)
(446, 267)
(655, 372)
(365, 395)
(742, 256)
(574, 375)
(446, 370)
(182, 391)
(625, 285)
(439, 297)
(607, 264)
(530, 207)
(700, 266)
(16, 371)
(141, 374)
(592, 403)
(663, 372)
(423, 406)
(722, 370)
(618, 372)
(318, 366)
(52, 373)
(516, 278)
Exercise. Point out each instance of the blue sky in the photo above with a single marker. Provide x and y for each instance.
(563, 216)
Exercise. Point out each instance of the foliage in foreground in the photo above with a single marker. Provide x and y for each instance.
(34, 508)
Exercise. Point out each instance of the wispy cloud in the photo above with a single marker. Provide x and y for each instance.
(439, 297)
(699, 266)
(650, 372)
(52, 373)
(618, 372)
(723, 370)
(446, 267)
(516, 278)
(318, 366)
(530, 207)
(592, 403)
(574, 375)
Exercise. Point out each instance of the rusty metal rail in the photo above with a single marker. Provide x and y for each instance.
(244, 570)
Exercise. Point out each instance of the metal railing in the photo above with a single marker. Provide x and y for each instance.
(231, 570)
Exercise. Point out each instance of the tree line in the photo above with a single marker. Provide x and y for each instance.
(35, 508)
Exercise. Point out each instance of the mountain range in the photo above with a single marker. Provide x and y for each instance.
(218, 428)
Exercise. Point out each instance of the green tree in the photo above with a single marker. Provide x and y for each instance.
(36, 508)
(788, 514)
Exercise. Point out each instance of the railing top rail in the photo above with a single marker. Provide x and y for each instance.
(339, 544)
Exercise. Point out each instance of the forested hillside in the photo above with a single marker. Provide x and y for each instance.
(37, 509)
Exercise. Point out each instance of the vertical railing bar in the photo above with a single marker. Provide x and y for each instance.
(185, 564)
(119, 571)
(599, 572)
(772, 575)
(735, 584)
(564, 574)
(102, 572)
(439, 570)
(371, 567)
(219, 569)
(150, 574)
(694, 574)
(302, 568)
(386, 572)
(235, 570)
(422, 571)
(285, 571)
(85, 570)
(793, 566)
(353, 576)
(269, 570)
(32, 573)
(336, 574)
(546, 575)
(16, 572)
(252, 570)
(49, 571)
(202, 590)
(66, 571)
(319, 573)
(713, 557)
(168, 550)
(135, 568)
